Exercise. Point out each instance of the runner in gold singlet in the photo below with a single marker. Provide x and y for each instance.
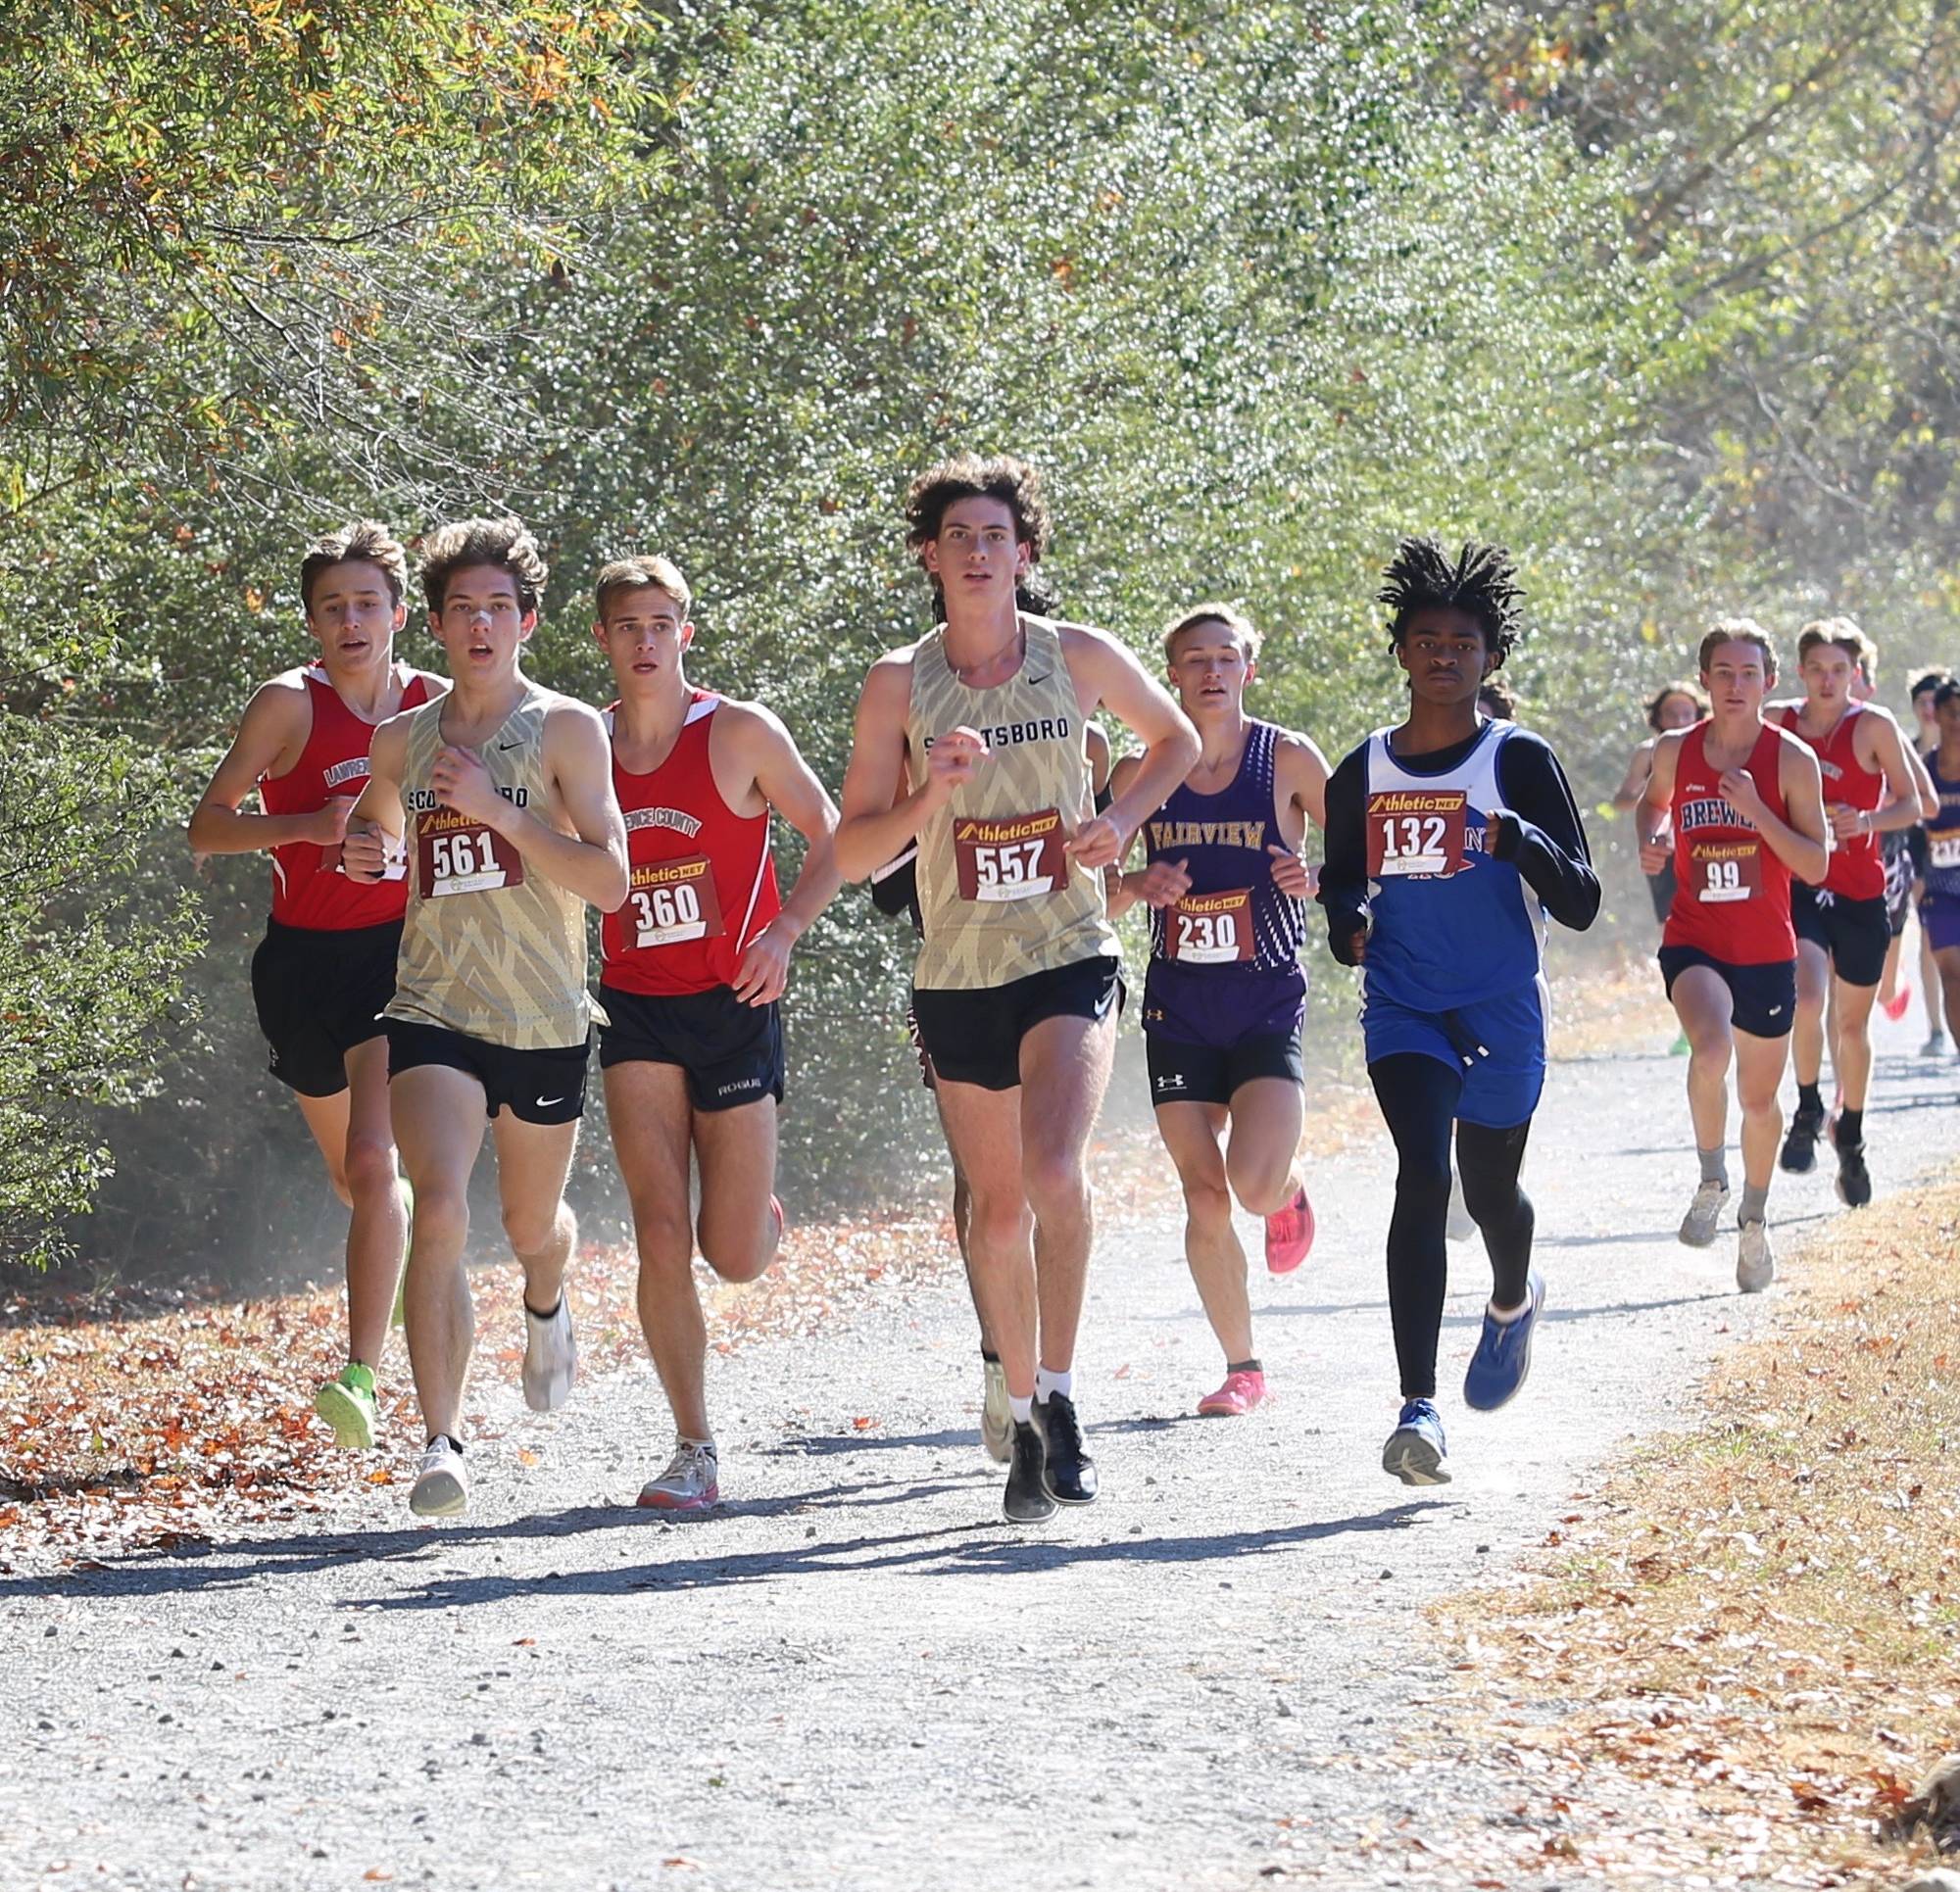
(501, 796)
(1017, 985)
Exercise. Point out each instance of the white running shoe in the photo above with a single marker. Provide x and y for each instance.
(1756, 1263)
(442, 1486)
(550, 1358)
(1697, 1226)
(1461, 1225)
(996, 1422)
(690, 1482)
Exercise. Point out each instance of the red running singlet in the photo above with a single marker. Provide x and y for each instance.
(308, 889)
(1731, 891)
(1857, 864)
(703, 880)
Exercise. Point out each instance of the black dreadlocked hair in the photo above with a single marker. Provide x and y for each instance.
(1482, 583)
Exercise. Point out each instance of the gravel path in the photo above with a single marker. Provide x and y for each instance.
(855, 1674)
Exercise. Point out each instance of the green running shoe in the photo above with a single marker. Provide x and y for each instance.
(347, 1404)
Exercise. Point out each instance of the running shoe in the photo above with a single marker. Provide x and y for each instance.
(1503, 1353)
(1854, 1179)
(1895, 1006)
(997, 1420)
(1799, 1148)
(1755, 1262)
(1415, 1452)
(1026, 1500)
(1288, 1235)
(551, 1357)
(689, 1483)
(347, 1404)
(1068, 1472)
(442, 1486)
(1936, 1044)
(1461, 1225)
(1243, 1389)
(1697, 1226)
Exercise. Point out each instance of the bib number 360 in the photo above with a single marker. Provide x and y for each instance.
(674, 901)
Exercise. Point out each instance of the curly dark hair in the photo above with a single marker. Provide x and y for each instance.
(366, 540)
(505, 544)
(1482, 583)
(976, 476)
(1694, 691)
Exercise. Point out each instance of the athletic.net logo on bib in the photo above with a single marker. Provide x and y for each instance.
(1213, 929)
(455, 854)
(1016, 857)
(1722, 871)
(1416, 830)
(674, 900)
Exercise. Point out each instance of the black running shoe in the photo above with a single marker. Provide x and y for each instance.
(1799, 1148)
(1027, 1501)
(1069, 1473)
(1854, 1179)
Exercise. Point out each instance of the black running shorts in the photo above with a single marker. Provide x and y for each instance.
(1182, 1073)
(1762, 998)
(546, 1086)
(732, 1052)
(318, 995)
(1855, 933)
(975, 1037)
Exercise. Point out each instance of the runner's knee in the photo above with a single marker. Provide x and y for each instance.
(661, 1233)
(370, 1166)
(1055, 1182)
(533, 1230)
(442, 1218)
(1208, 1202)
(739, 1258)
(1260, 1182)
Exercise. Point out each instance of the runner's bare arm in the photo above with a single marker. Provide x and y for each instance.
(880, 817)
(1892, 758)
(1656, 802)
(1929, 795)
(1158, 884)
(1802, 843)
(1107, 675)
(1299, 781)
(1628, 794)
(271, 734)
(785, 781)
(378, 821)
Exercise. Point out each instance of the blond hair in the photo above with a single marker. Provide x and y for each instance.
(1235, 620)
(639, 573)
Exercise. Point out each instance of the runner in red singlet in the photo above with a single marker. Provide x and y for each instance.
(1745, 804)
(693, 965)
(1843, 931)
(328, 963)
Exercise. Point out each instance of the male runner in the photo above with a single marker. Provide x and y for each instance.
(1925, 694)
(1225, 994)
(1842, 933)
(500, 799)
(1017, 978)
(894, 891)
(1939, 909)
(328, 963)
(1745, 804)
(1445, 836)
(694, 961)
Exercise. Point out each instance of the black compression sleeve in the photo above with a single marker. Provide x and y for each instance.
(1547, 840)
(1343, 875)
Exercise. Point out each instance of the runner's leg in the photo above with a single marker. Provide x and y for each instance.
(1489, 1161)
(327, 1118)
(438, 1119)
(1064, 1071)
(652, 1121)
(1946, 964)
(1262, 1156)
(1418, 1095)
(533, 1163)
(1853, 1043)
(1704, 1004)
(984, 1132)
(1211, 1247)
(378, 1232)
(737, 1151)
(1759, 1067)
(1932, 974)
(1813, 990)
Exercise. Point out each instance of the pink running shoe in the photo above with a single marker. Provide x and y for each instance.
(1288, 1235)
(1241, 1392)
(1895, 1006)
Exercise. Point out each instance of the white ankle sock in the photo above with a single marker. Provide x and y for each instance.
(1023, 1410)
(1048, 1385)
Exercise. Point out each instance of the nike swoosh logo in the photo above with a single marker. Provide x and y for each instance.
(545, 1103)
(518, 744)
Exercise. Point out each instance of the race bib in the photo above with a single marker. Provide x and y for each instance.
(1212, 929)
(1416, 830)
(674, 900)
(1943, 851)
(1722, 871)
(454, 854)
(1016, 857)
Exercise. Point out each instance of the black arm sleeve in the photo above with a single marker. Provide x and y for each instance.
(1344, 876)
(1543, 835)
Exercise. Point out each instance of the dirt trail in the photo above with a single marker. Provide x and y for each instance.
(855, 1674)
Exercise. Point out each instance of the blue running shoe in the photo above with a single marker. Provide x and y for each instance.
(1503, 1353)
(1415, 1452)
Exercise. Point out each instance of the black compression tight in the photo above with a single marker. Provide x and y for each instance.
(1419, 1095)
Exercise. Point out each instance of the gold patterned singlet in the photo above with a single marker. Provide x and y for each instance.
(488, 948)
(999, 896)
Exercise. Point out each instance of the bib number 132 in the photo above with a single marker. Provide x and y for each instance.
(1415, 831)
